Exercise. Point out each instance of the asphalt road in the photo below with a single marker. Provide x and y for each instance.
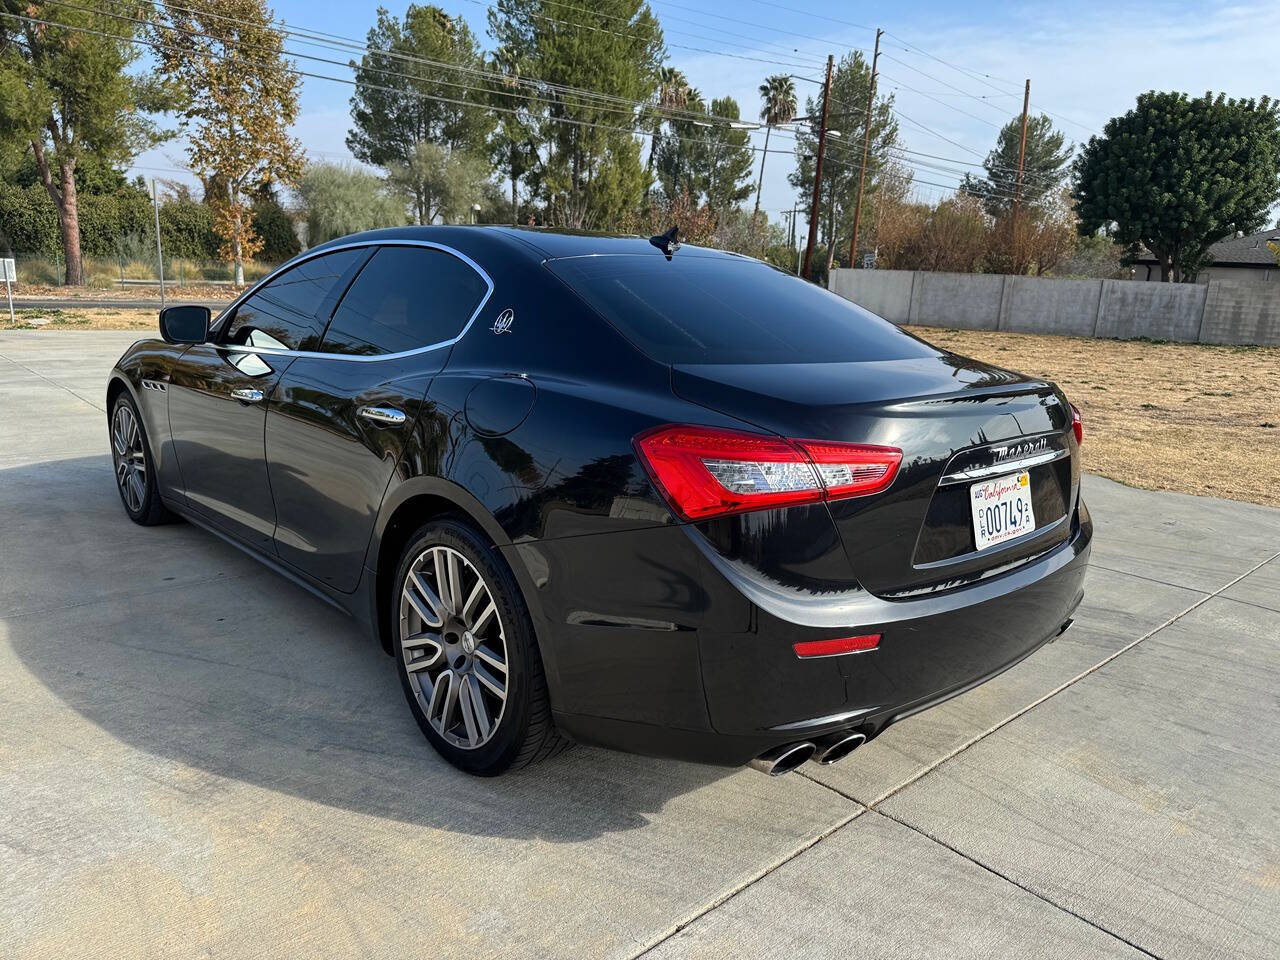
(199, 759)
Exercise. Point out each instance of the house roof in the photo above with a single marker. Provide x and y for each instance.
(1250, 251)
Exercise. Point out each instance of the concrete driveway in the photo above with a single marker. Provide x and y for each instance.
(199, 759)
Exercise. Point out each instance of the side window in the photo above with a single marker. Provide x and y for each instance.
(403, 299)
(283, 313)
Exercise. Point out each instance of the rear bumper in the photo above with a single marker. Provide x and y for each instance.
(723, 684)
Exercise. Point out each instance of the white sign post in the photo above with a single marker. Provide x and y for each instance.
(10, 271)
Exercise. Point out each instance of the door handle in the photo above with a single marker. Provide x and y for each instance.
(247, 395)
(389, 416)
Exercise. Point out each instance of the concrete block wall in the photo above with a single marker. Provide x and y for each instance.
(1241, 311)
(1221, 311)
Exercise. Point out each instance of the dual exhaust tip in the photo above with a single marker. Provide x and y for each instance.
(826, 750)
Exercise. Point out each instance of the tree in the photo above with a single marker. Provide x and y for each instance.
(680, 151)
(336, 200)
(511, 147)
(1045, 166)
(850, 87)
(1034, 239)
(440, 184)
(673, 97)
(65, 95)
(728, 153)
(1177, 174)
(589, 172)
(243, 97)
(403, 99)
(778, 106)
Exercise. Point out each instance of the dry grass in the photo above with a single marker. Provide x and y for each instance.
(124, 317)
(201, 292)
(1162, 416)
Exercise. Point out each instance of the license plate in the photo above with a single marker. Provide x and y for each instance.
(1001, 509)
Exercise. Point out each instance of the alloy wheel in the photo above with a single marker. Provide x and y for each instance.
(453, 647)
(130, 459)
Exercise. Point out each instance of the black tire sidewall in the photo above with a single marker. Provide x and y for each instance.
(496, 755)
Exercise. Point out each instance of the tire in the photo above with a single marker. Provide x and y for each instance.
(134, 467)
(466, 654)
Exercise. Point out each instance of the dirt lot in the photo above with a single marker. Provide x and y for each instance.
(202, 292)
(1162, 416)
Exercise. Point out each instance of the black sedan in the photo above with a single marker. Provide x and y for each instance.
(612, 490)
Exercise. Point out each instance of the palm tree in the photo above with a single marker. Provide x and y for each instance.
(673, 94)
(778, 94)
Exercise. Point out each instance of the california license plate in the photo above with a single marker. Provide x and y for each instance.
(1001, 509)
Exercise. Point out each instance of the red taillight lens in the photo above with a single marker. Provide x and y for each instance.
(1077, 424)
(831, 648)
(705, 471)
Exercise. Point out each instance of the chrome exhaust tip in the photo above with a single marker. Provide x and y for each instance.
(783, 759)
(838, 746)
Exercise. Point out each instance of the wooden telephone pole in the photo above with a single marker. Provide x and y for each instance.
(866, 146)
(1022, 150)
(817, 172)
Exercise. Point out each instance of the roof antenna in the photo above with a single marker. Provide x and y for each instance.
(668, 242)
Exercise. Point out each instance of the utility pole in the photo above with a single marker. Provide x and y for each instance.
(1022, 150)
(866, 146)
(155, 206)
(814, 209)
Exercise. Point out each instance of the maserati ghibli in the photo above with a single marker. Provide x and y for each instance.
(615, 490)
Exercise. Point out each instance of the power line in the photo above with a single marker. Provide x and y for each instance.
(631, 130)
(681, 46)
(973, 116)
(758, 41)
(317, 76)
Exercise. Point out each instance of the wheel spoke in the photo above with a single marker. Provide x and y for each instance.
(476, 591)
(440, 559)
(498, 687)
(444, 698)
(491, 658)
(424, 600)
(489, 610)
(467, 709)
(478, 708)
(139, 491)
(455, 586)
(430, 645)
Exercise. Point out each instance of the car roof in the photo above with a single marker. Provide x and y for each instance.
(537, 242)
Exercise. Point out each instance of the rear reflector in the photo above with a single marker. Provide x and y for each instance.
(706, 472)
(831, 648)
(1077, 424)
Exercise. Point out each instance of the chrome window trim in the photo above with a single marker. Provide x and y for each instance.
(322, 251)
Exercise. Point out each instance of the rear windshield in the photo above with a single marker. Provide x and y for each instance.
(730, 310)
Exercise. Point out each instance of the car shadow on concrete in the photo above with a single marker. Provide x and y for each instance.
(181, 647)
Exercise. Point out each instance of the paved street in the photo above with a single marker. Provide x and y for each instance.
(197, 758)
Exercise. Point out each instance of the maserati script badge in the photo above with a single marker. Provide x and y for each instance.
(504, 321)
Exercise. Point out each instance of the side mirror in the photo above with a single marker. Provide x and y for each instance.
(185, 324)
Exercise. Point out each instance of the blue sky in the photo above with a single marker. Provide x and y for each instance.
(1086, 62)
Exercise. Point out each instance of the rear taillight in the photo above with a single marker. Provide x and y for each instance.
(705, 471)
(1077, 424)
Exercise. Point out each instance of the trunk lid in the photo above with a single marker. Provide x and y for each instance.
(954, 419)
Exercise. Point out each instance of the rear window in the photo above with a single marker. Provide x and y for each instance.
(729, 310)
